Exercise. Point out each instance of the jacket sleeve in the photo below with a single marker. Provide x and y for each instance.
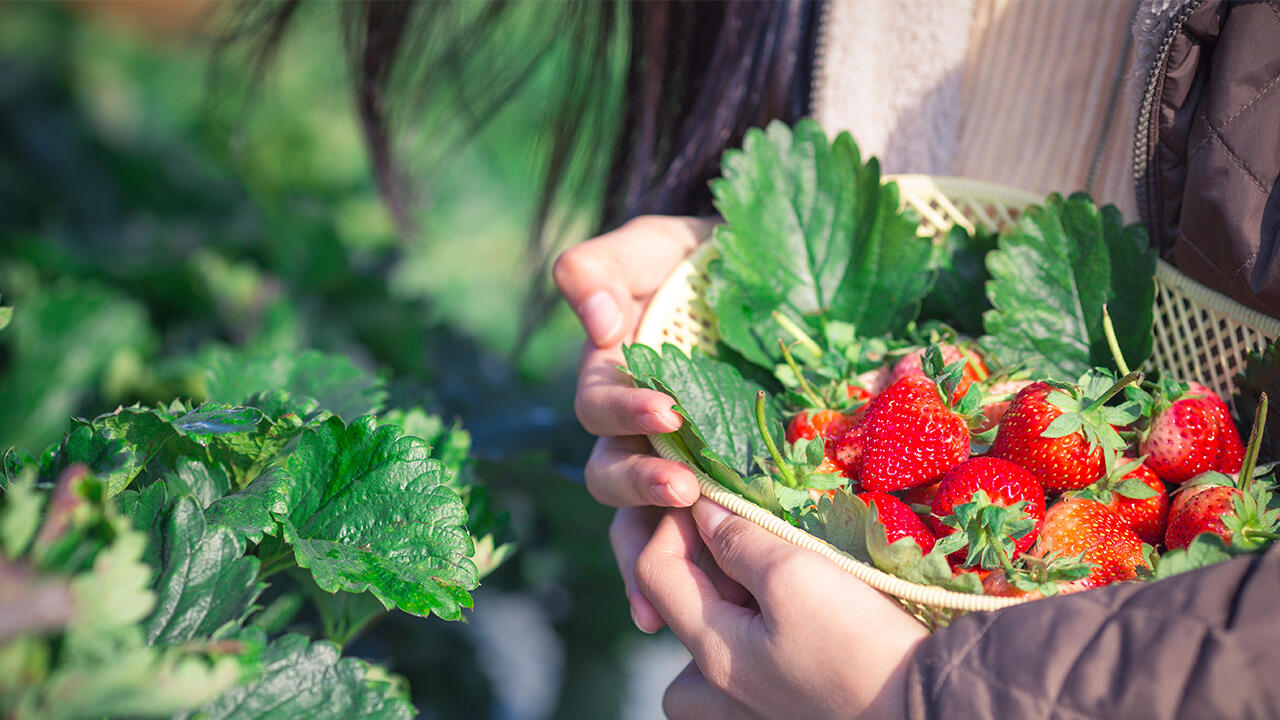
(1204, 644)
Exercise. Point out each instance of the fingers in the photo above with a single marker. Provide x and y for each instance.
(765, 564)
(623, 472)
(691, 697)
(608, 404)
(603, 277)
(630, 530)
(714, 629)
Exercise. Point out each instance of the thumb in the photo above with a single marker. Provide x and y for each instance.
(763, 563)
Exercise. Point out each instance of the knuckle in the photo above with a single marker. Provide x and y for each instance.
(717, 671)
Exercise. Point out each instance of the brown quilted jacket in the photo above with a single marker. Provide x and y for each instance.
(1205, 644)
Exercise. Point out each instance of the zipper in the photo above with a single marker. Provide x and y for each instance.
(819, 75)
(1145, 130)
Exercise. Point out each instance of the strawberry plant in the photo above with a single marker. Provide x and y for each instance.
(1026, 458)
(155, 557)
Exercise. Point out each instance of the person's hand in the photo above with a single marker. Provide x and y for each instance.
(608, 281)
(773, 628)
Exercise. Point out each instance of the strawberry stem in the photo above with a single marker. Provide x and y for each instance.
(805, 388)
(1109, 330)
(800, 335)
(788, 478)
(1255, 444)
(1131, 378)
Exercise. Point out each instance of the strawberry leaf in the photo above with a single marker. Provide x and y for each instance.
(368, 509)
(308, 679)
(1205, 549)
(1135, 489)
(1050, 278)
(1261, 374)
(846, 522)
(812, 234)
(718, 407)
(334, 382)
(958, 297)
(205, 580)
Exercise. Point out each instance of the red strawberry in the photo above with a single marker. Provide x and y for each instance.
(1199, 509)
(1003, 483)
(1077, 526)
(1068, 455)
(1145, 516)
(847, 449)
(898, 519)
(922, 495)
(808, 424)
(909, 437)
(913, 364)
(1231, 447)
(996, 402)
(1183, 440)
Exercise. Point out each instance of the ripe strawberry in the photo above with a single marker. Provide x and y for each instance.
(996, 402)
(1059, 433)
(994, 482)
(975, 370)
(1183, 440)
(1077, 526)
(1199, 509)
(909, 437)
(1231, 448)
(830, 426)
(1134, 493)
(809, 424)
(922, 495)
(898, 519)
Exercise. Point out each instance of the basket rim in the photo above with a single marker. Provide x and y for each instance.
(942, 190)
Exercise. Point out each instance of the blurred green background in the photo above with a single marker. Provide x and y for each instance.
(153, 210)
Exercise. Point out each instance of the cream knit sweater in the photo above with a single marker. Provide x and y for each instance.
(1010, 91)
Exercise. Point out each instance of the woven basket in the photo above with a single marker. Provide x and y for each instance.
(1200, 335)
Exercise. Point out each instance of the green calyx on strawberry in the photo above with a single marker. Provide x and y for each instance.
(1040, 576)
(986, 531)
(1059, 431)
(1238, 510)
(1134, 493)
(803, 463)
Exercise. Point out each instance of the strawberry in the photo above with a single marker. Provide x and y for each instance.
(875, 381)
(1236, 509)
(922, 495)
(830, 425)
(898, 519)
(1081, 527)
(1200, 509)
(996, 402)
(909, 437)
(1059, 432)
(1183, 440)
(967, 497)
(1231, 448)
(1134, 493)
(975, 370)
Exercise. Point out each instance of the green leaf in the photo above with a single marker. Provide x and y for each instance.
(368, 509)
(846, 522)
(1051, 276)
(332, 380)
(20, 514)
(304, 679)
(1261, 374)
(958, 297)
(250, 512)
(1135, 489)
(1205, 549)
(205, 580)
(718, 406)
(810, 232)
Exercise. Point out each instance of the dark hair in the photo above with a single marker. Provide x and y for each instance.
(666, 85)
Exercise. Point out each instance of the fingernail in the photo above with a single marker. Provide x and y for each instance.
(708, 515)
(636, 620)
(600, 316)
(667, 496)
(658, 422)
